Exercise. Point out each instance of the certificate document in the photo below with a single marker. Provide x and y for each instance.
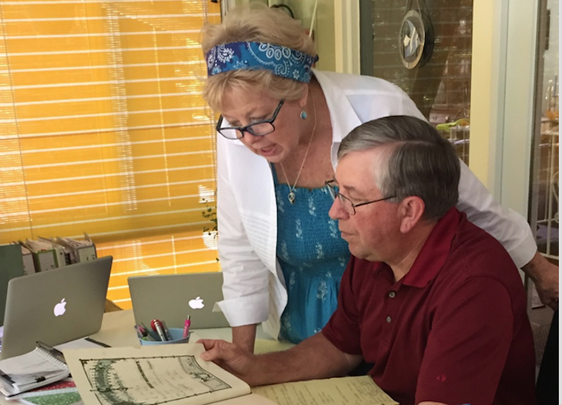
(171, 374)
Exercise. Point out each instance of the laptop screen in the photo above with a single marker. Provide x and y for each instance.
(55, 306)
(172, 297)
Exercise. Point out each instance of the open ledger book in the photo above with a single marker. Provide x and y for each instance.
(175, 375)
(171, 374)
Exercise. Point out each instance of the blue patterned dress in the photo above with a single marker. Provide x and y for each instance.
(313, 257)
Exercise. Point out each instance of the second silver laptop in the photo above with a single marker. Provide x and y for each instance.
(172, 297)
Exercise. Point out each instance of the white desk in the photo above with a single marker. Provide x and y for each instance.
(117, 330)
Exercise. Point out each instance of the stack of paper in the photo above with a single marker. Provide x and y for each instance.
(345, 390)
(30, 370)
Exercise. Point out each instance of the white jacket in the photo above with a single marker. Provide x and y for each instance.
(254, 288)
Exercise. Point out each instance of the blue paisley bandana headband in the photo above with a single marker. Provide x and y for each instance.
(282, 61)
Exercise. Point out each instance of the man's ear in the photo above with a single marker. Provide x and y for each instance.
(411, 210)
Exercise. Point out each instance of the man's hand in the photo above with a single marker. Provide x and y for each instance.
(545, 276)
(232, 358)
(313, 358)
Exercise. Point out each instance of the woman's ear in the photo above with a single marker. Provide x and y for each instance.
(304, 98)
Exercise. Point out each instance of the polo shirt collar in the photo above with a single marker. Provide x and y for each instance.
(435, 250)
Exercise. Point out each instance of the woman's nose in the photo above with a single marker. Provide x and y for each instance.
(248, 138)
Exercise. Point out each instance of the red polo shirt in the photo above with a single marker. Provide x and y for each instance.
(453, 330)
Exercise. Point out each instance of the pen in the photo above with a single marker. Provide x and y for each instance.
(89, 339)
(166, 331)
(186, 326)
(157, 326)
(138, 328)
(143, 333)
(149, 332)
(57, 354)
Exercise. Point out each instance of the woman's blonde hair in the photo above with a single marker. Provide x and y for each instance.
(254, 23)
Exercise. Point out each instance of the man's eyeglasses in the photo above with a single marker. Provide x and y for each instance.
(259, 128)
(345, 202)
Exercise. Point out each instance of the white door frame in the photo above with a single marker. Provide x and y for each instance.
(502, 98)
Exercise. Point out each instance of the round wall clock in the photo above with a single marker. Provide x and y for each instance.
(415, 41)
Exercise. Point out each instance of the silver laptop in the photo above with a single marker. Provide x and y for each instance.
(172, 297)
(55, 306)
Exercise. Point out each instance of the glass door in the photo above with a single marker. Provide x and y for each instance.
(545, 184)
(424, 47)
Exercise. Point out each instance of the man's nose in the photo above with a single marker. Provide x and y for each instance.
(337, 211)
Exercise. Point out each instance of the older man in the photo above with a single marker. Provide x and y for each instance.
(432, 301)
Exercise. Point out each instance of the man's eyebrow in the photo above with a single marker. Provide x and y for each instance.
(349, 189)
(346, 187)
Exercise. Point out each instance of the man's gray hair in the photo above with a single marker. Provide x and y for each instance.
(417, 161)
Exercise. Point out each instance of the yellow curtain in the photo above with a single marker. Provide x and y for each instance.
(103, 130)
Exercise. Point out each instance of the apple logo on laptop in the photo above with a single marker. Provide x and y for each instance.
(60, 308)
(196, 303)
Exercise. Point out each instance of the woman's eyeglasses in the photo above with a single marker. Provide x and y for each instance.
(259, 128)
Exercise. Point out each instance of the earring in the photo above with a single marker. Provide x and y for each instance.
(303, 115)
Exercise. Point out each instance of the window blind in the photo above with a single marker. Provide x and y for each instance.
(104, 131)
